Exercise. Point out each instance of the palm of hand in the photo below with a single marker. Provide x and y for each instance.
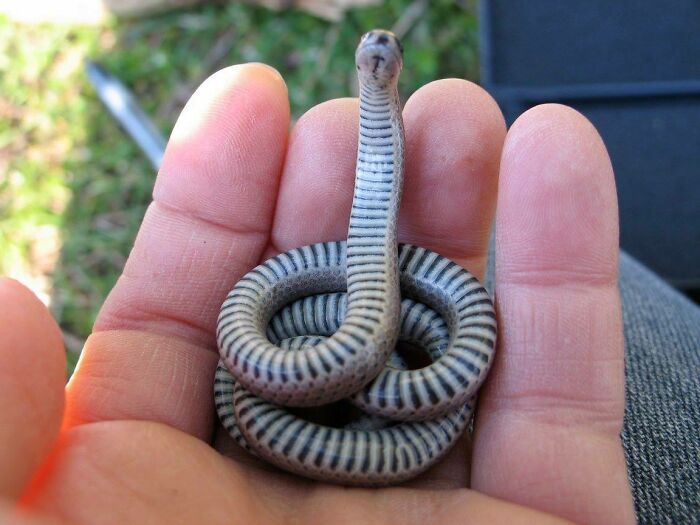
(234, 189)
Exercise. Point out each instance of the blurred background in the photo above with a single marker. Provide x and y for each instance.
(74, 186)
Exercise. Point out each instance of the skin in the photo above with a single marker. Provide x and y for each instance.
(133, 439)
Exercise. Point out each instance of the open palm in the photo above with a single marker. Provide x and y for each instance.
(133, 441)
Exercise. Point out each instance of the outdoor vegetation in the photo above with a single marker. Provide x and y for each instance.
(73, 187)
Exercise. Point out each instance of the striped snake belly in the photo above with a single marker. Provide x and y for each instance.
(320, 323)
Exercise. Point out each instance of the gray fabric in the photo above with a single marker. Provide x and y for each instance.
(661, 434)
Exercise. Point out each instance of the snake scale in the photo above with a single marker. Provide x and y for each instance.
(320, 323)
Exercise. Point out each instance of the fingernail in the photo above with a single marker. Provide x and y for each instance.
(271, 69)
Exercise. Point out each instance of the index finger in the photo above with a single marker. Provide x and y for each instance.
(152, 355)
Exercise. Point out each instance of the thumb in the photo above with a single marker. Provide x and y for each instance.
(32, 377)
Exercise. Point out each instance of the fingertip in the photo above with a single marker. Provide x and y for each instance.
(258, 83)
(327, 134)
(459, 99)
(226, 151)
(325, 114)
(559, 131)
(24, 317)
(262, 68)
(459, 112)
(557, 199)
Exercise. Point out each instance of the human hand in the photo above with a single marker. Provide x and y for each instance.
(136, 440)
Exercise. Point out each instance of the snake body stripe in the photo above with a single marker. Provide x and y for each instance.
(318, 323)
(425, 276)
(289, 329)
(360, 457)
(323, 314)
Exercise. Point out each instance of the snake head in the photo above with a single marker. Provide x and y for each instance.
(379, 58)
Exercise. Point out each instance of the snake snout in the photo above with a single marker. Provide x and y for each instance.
(379, 58)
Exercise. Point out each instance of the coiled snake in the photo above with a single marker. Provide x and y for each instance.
(289, 334)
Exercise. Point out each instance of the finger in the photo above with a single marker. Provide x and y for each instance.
(454, 133)
(212, 207)
(550, 417)
(208, 224)
(32, 376)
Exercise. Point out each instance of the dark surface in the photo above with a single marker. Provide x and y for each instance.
(554, 42)
(656, 154)
(632, 68)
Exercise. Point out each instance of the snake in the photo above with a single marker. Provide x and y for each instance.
(321, 323)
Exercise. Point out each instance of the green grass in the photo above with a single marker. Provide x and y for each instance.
(67, 172)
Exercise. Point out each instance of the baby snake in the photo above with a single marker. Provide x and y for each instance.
(319, 323)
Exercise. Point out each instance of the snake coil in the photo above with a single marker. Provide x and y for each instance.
(320, 323)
